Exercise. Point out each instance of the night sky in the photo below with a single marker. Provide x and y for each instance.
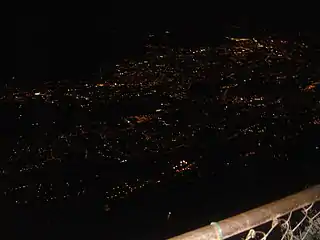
(60, 47)
(74, 47)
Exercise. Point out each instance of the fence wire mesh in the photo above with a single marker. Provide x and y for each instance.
(302, 224)
(295, 217)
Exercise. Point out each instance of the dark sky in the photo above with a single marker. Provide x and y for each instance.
(59, 47)
(53, 47)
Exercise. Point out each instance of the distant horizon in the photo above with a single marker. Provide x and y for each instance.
(79, 58)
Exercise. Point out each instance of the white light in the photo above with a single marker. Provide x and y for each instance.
(37, 93)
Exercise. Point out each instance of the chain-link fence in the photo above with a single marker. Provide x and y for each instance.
(302, 225)
(294, 217)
